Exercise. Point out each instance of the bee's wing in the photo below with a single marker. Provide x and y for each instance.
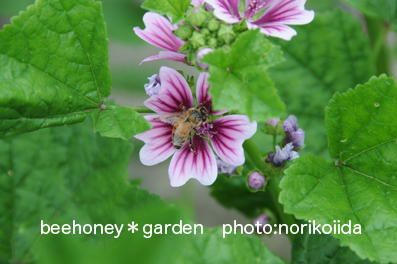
(170, 118)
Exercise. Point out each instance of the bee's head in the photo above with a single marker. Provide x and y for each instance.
(204, 113)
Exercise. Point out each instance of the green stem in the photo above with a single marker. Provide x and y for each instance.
(274, 141)
(142, 109)
(378, 32)
(254, 153)
(284, 218)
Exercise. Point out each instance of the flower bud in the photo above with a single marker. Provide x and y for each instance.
(225, 168)
(256, 180)
(292, 133)
(197, 40)
(261, 221)
(184, 32)
(197, 17)
(241, 27)
(212, 42)
(154, 85)
(273, 122)
(208, 7)
(200, 54)
(213, 25)
(279, 157)
(205, 32)
(226, 33)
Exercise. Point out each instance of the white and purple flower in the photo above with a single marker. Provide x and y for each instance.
(159, 32)
(274, 15)
(226, 133)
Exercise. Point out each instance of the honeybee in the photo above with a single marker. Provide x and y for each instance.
(185, 124)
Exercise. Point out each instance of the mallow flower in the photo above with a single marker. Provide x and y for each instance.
(226, 133)
(271, 16)
(159, 32)
(292, 133)
(279, 157)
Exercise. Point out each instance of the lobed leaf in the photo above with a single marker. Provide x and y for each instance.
(361, 186)
(313, 72)
(119, 122)
(64, 172)
(239, 79)
(55, 67)
(322, 249)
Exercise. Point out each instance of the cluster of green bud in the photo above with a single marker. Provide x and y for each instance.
(201, 30)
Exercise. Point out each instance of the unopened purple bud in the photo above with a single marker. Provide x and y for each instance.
(225, 168)
(201, 54)
(292, 133)
(273, 121)
(256, 180)
(154, 85)
(279, 158)
(208, 7)
(261, 221)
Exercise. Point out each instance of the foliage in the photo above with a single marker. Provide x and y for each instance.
(360, 186)
(55, 65)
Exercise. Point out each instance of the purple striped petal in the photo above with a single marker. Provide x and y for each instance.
(291, 12)
(168, 55)
(185, 164)
(226, 10)
(174, 92)
(174, 56)
(202, 95)
(275, 30)
(158, 32)
(231, 131)
(155, 57)
(158, 144)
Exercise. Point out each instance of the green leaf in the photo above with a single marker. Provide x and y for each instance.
(66, 172)
(386, 10)
(176, 9)
(316, 71)
(119, 122)
(55, 67)
(239, 79)
(212, 247)
(209, 247)
(322, 249)
(233, 193)
(361, 186)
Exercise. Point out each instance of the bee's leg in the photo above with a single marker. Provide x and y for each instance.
(199, 133)
(182, 107)
(192, 148)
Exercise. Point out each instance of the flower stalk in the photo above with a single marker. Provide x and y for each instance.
(273, 185)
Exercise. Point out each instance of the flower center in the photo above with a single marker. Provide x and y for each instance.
(206, 129)
(254, 7)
